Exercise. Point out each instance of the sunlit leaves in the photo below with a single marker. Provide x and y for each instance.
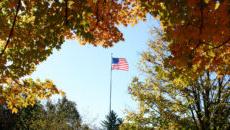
(198, 31)
(31, 29)
(169, 98)
(217, 4)
(18, 94)
(195, 29)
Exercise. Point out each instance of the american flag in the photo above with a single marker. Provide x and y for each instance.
(120, 64)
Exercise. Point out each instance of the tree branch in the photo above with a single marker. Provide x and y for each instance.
(219, 90)
(12, 28)
(193, 116)
(201, 23)
(197, 104)
(228, 80)
(66, 12)
(216, 47)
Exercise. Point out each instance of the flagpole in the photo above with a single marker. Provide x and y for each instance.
(110, 90)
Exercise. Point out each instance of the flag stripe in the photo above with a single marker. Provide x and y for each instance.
(122, 64)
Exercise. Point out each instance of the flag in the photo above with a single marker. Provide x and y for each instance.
(120, 64)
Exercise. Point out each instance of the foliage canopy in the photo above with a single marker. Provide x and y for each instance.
(198, 33)
(31, 29)
(168, 98)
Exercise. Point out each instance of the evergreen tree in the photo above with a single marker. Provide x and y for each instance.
(112, 121)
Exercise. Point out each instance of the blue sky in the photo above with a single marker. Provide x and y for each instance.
(83, 72)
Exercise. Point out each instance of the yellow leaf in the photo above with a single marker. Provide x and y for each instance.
(14, 110)
(206, 1)
(62, 93)
(217, 5)
(211, 54)
(70, 3)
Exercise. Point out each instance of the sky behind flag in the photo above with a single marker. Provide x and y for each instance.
(83, 72)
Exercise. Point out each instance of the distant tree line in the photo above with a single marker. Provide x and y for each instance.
(62, 115)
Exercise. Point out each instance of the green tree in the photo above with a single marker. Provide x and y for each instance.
(31, 118)
(168, 98)
(27, 118)
(112, 121)
(7, 119)
(61, 115)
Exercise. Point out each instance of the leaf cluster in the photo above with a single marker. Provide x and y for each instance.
(197, 31)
